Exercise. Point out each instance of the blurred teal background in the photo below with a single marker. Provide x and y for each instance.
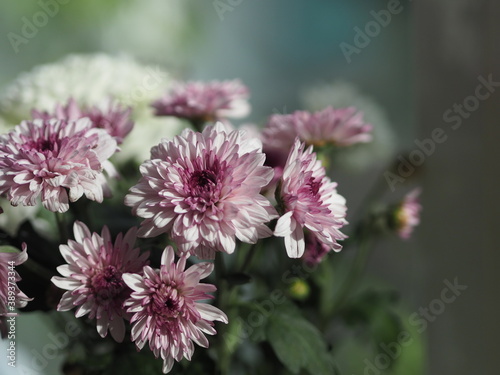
(277, 48)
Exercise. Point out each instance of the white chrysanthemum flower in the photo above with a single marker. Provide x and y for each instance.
(91, 80)
(344, 94)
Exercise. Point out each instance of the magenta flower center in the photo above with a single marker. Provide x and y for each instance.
(50, 145)
(308, 200)
(203, 188)
(313, 186)
(100, 121)
(108, 284)
(310, 190)
(167, 303)
(202, 182)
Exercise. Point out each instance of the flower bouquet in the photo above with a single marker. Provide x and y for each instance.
(210, 248)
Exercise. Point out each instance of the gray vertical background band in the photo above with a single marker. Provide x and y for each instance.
(456, 42)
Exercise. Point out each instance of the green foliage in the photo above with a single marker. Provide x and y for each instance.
(8, 249)
(407, 351)
(374, 310)
(297, 343)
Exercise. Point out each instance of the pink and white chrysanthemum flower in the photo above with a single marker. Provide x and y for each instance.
(339, 127)
(310, 202)
(407, 214)
(56, 160)
(8, 278)
(115, 119)
(93, 276)
(167, 311)
(200, 101)
(203, 189)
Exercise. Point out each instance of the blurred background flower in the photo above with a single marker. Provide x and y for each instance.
(341, 94)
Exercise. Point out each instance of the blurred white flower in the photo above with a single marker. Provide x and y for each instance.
(13, 217)
(148, 132)
(344, 94)
(92, 80)
(89, 79)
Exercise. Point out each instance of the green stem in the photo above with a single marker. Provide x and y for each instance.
(81, 211)
(198, 124)
(224, 359)
(357, 268)
(38, 269)
(249, 256)
(61, 226)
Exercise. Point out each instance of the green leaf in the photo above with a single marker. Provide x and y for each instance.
(326, 277)
(385, 326)
(253, 319)
(356, 356)
(364, 306)
(297, 343)
(413, 356)
(374, 311)
(234, 333)
(8, 249)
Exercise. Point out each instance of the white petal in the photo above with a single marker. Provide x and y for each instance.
(117, 329)
(167, 258)
(294, 243)
(81, 231)
(64, 283)
(202, 269)
(284, 225)
(209, 312)
(134, 281)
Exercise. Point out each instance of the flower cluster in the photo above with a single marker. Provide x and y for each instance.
(112, 283)
(206, 192)
(92, 80)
